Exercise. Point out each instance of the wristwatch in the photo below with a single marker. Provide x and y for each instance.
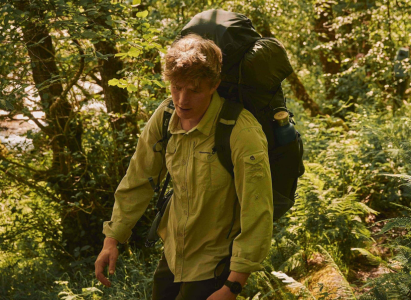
(235, 287)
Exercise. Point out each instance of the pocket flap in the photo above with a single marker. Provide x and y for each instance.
(205, 156)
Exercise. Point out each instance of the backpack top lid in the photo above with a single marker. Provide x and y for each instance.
(232, 32)
(265, 62)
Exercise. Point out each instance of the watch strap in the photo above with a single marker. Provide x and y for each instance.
(235, 287)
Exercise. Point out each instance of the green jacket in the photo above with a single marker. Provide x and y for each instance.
(198, 217)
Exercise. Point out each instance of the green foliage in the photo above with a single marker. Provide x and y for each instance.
(395, 285)
(46, 278)
(354, 165)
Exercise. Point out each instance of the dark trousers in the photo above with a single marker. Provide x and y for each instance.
(164, 287)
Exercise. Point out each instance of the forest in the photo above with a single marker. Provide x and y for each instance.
(79, 79)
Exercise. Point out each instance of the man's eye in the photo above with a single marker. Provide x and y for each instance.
(176, 87)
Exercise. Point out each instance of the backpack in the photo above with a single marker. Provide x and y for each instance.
(252, 72)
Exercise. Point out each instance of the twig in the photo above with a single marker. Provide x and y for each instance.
(79, 72)
(34, 186)
(20, 165)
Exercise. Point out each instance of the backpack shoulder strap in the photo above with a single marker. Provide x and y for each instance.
(226, 121)
(165, 136)
(168, 111)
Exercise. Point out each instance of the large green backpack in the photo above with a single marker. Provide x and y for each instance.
(252, 72)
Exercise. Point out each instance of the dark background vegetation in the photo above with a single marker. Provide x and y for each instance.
(347, 236)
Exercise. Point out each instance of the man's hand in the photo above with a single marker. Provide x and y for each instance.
(108, 255)
(223, 294)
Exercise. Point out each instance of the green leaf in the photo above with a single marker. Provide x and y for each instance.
(80, 19)
(134, 52)
(136, 2)
(90, 290)
(113, 81)
(120, 54)
(158, 83)
(131, 88)
(88, 34)
(142, 14)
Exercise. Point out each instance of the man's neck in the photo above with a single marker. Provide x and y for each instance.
(189, 124)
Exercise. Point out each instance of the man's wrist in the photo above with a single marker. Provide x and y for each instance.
(239, 277)
(109, 241)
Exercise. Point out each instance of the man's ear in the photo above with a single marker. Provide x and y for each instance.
(213, 89)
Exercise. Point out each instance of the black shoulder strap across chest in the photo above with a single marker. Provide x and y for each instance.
(226, 120)
(168, 111)
(165, 136)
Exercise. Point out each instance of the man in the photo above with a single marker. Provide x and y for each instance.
(199, 215)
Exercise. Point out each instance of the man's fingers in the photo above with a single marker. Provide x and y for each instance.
(99, 268)
(103, 280)
(112, 264)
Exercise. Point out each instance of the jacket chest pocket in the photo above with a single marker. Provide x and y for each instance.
(210, 173)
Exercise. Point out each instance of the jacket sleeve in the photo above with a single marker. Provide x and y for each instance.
(134, 192)
(254, 191)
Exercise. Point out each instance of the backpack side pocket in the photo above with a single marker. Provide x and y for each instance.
(286, 166)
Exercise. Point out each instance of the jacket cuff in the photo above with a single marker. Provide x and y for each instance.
(117, 231)
(242, 265)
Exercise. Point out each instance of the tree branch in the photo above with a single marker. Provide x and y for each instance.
(20, 165)
(98, 81)
(79, 72)
(20, 179)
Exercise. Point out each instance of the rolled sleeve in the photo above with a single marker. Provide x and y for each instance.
(117, 230)
(134, 192)
(254, 191)
(242, 265)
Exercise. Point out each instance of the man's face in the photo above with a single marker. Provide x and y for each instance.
(191, 102)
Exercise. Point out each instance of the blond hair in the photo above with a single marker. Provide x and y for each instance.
(192, 59)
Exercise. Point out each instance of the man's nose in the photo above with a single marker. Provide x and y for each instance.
(184, 98)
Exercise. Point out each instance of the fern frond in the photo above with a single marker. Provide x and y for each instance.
(293, 262)
(292, 283)
(402, 206)
(404, 222)
(371, 259)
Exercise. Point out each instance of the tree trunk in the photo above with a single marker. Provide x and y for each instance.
(64, 131)
(64, 128)
(300, 93)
